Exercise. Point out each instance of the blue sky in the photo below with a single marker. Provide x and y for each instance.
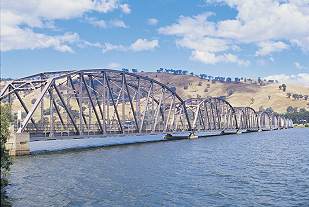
(216, 37)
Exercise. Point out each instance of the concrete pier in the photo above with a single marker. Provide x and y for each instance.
(193, 136)
(18, 143)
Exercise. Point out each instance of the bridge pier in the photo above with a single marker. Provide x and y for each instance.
(18, 143)
(192, 136)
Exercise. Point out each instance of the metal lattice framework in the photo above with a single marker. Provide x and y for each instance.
(247, 118)
(104, 101)
(274, 119)
(98, 101)
(269, 121)
(211, 114)
(264, 120)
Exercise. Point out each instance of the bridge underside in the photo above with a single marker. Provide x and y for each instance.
(103, 101)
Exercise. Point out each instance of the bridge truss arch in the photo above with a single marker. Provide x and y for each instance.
(274, 118)
(97, 101)
(268, 121)
(289, 123)
(211, 114)
(104, 101)
(247, 118)
(264, 120)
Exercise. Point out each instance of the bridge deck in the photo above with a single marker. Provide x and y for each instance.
(58, 144)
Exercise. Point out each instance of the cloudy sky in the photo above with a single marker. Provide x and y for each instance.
(250, 38)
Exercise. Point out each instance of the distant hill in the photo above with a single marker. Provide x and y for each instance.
(238, 94)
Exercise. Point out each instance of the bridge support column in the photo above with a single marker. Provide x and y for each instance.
(193, 136)
(18, 143)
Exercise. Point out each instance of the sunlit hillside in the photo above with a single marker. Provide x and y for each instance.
(238, 94)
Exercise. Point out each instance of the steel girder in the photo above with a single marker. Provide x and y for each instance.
(104, 101)
(96, 101)
(211, 114)
(247, 118)
(274, 121)
(269, 121)
(264, 120)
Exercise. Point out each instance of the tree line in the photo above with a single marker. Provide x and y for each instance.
(298, 116)
(5, 120)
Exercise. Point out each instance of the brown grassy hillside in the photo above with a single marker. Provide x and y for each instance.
(238, 94)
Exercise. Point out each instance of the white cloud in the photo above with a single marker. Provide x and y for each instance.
(19, 19)
(266, 48)
(265, 20)
(100, 23)
(299, 66)
(144, 44)
(272, 25)
(152, 21)
(96, 23)
(301, 78)
(197, 33)
(125, 8)
(106, 47)
(114, 65)
(136, 46)
(302, 42)
(212, 58)
(16, 38)
(118, 23)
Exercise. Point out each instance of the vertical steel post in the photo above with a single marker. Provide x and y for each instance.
(80, 98)
(51, 115)
(42, 104)
(104, 103)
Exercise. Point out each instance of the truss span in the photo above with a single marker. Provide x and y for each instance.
(247, 118)
(264, 120)
(211, 114)
(104, 101)
(98, 101)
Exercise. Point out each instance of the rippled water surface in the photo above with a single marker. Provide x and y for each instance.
(256, 169)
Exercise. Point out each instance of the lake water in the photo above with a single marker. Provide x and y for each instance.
(256, 169)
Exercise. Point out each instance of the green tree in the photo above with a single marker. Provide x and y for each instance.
(269, 110)
(298, 116)
(291, 109)
(283, 87)
(302, 110)
(5, 158)
(295, 96)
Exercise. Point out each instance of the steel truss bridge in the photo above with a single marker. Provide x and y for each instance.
(104, 101)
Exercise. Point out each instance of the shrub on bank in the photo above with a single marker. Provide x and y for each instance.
(5, 158)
